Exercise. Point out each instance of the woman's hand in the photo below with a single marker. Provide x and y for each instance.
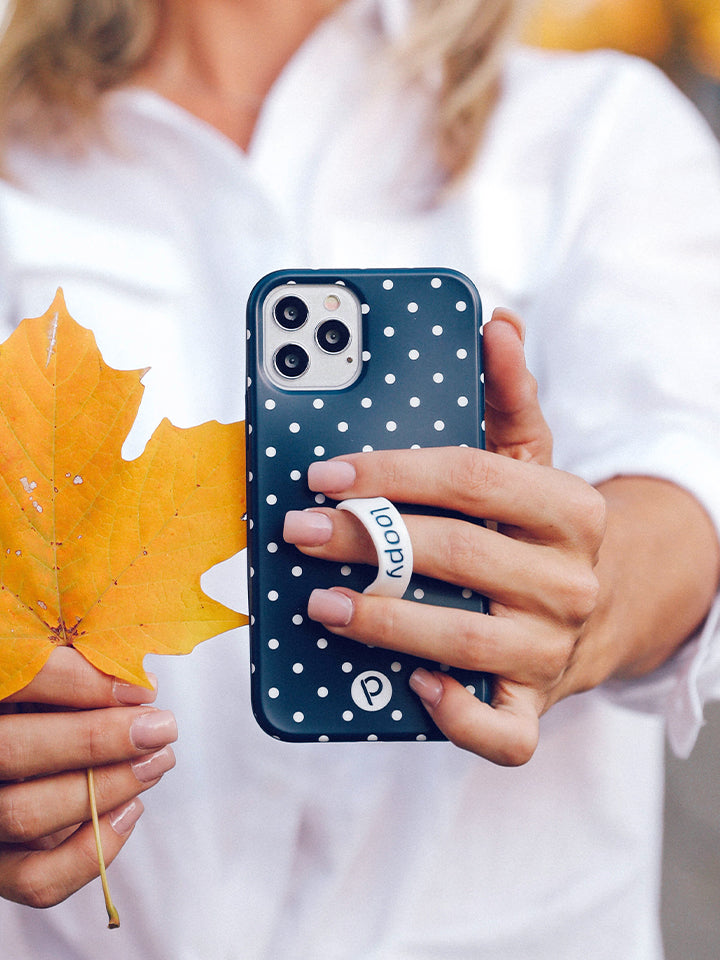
(537, 568)
(69, 718)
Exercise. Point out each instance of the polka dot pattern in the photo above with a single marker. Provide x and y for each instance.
(420, 386)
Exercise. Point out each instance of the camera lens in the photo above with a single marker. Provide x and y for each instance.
(291, 361)
(290, 312)
(332, 336)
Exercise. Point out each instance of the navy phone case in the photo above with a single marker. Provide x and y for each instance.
(420, 384)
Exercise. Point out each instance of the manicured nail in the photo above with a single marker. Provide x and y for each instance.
(427, 686)
(132, 694)
(154, 729)
(306, 528)
(124, 818)
(154, 766)
(330, 476)
(502, 313)
(330, 607)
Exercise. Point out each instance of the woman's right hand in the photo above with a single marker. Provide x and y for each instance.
(71, 717)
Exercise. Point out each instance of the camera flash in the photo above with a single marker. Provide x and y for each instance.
(331, 302)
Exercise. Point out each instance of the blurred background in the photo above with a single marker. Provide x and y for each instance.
(683, 38)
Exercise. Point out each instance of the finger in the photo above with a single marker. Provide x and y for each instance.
(47, 877)
(505, 733)
(544, 503)
(67, 679)
(521, 647)
(514, 423)
(40, 808)
(536, 578)
(40, 744)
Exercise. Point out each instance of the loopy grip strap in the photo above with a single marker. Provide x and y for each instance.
(392, 543)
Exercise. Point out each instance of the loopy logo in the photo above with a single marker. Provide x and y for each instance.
(371, 690)
(393, 552)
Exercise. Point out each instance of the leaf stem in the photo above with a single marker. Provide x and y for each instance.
(113, 915)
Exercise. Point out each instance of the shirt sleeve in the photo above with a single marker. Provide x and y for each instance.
(626, 325)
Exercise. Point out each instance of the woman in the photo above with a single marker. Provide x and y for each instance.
(156, 170)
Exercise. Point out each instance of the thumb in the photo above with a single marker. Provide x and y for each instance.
(515, 426)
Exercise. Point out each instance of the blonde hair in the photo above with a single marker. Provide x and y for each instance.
(58, 56)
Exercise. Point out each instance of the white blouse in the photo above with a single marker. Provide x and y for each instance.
(594, 210)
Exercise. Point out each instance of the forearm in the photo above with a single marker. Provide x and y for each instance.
(658, 570)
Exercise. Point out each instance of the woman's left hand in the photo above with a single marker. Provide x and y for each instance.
(537, 568)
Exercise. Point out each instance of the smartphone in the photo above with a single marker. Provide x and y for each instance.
(343, 361)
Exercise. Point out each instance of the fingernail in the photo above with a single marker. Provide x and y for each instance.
(305, 528)
(330, 476)
(154, 766)
(124, 818)
(132, 694)
(330, 607)
(154, 729)
(502, 313)
(427, 686)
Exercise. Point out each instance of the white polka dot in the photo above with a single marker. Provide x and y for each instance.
(342, 426)
(438, 377)
(366, 402)
(414, 354)
(273, 595)
(318, 403)
(322, 691)
(396, 714)
(439, 425)
(391, 426)
(347, 667)
(295, 474)
(319, 451)
(388, 284)
(273, 643)
(269, 404)
(437, 330)
(436, 282)
(294, 428)
(366, 355)
(412, 307)
(467, 593)
(461, 353)
(395, 666)
(250, 476)
(367, 448)
(273, 693)
(297, 619)
(389, 378)
(421, 736)
(372, 737)
(298, 668)
(347, 715)
(270, 452)
(320, 498)
(364, 308)
(461, 306)
(462, 401)
(389, 331)
(297, 571)
(271, 499)
(322, 643)
(298, 716)
(414, 401)
(323, 738)
(470, 689)
(418, 594)
(272, 547)
(345, 570)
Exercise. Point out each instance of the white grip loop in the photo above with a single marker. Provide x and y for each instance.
(392, 543)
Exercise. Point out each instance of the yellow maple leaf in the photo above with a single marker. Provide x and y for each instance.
(96, 552)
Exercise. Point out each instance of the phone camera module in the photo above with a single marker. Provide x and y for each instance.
(290, 312)
(332, 336)
(291, 361)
